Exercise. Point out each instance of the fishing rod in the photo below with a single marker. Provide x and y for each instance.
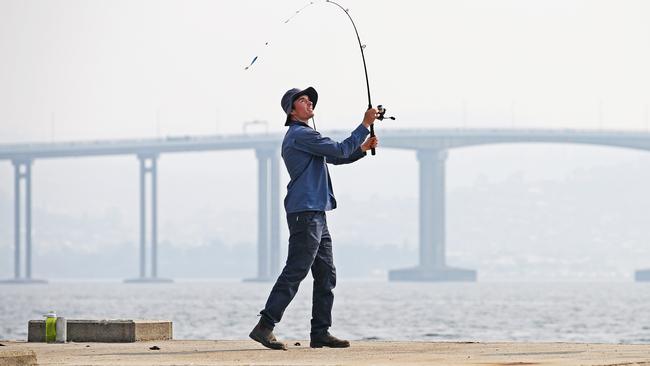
(381, 111)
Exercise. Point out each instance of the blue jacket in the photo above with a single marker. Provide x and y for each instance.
(305, 153)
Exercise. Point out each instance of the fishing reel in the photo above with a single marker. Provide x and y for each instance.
(381, 113)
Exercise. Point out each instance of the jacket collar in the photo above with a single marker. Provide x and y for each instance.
(295, 122)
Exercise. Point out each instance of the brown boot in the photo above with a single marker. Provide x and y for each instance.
(327, 340)
(265, 336)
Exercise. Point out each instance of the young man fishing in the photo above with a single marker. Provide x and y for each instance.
(309, 194)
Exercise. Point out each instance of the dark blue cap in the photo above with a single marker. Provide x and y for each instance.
(291, 95)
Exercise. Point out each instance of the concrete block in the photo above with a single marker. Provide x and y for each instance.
(24, 357)
(117, 331)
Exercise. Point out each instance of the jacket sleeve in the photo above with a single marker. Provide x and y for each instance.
(356, 155)
(313, 142)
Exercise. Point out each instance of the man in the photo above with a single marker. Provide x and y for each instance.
(309, 194)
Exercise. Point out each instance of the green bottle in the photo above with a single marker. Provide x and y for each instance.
(50, 327)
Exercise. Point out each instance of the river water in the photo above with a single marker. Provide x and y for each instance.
(577, 312)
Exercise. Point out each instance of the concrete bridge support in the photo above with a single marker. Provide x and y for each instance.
(275, 266)
(642, 275)
(23, 172)
(432, 265)
(268, 215)
(148, 164)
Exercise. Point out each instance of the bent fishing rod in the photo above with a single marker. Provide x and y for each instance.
(380, 109)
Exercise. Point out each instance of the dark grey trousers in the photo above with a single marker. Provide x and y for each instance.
(310, 248)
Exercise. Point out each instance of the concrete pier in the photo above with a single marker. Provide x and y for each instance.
(217, 352)
(16, 357)
(432, 266)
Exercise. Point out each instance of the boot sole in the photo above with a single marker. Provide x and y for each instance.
(267, 345)
(321, 345)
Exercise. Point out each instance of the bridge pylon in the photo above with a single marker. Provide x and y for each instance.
(432, 266)
(148, 165)
(22, 172)
(268, 215)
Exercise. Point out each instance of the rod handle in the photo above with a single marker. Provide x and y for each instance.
(372, 133)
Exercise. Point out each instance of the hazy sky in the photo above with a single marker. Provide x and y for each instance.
(105, 69)
(80, 70)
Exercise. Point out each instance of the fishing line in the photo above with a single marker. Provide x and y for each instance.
(268, 42)
(298, 12)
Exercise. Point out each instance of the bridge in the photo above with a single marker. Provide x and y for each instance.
(431, 145)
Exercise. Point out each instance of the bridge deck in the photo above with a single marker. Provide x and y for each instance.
(390, 138)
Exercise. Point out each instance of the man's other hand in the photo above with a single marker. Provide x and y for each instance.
(370, 143)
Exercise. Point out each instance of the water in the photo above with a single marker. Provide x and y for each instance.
(576, 312)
